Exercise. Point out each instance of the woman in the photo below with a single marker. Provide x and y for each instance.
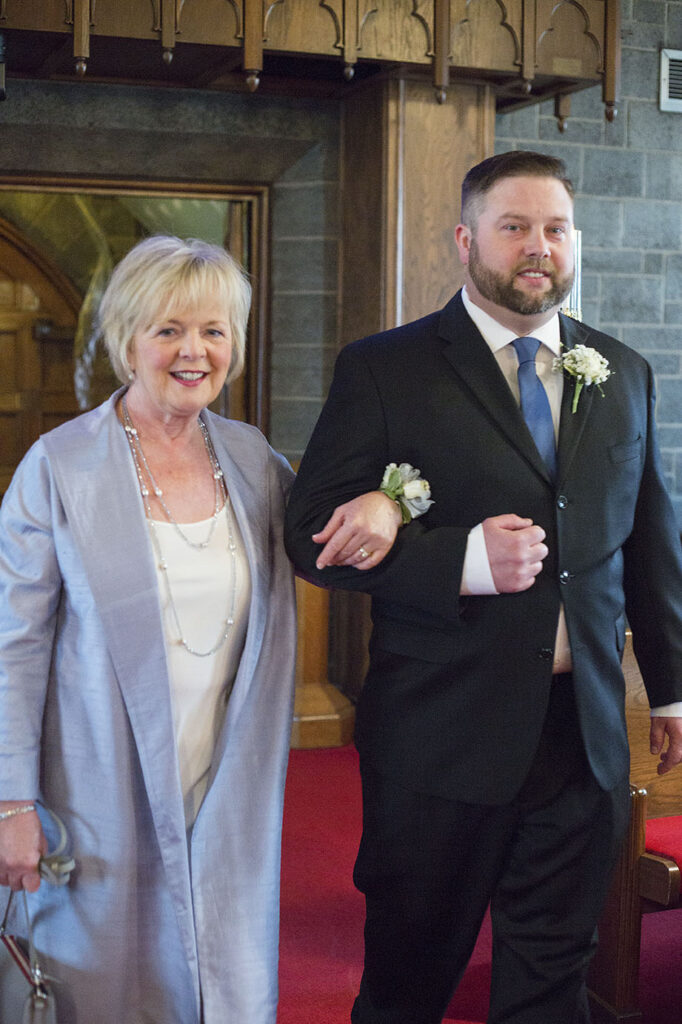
(146, 665)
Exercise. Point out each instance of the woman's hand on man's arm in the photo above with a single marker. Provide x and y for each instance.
(359, 533)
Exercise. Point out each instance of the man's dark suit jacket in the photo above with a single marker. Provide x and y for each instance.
(458, 687)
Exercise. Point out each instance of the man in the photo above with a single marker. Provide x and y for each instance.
(491, 730)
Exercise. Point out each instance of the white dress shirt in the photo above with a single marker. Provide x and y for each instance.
(476, 574)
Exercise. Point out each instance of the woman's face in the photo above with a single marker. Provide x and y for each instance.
(181, 362)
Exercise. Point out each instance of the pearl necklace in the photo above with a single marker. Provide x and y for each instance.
(141, 462)
(221, 501)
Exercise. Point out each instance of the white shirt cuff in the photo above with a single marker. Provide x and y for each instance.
(476, 575)
(673, 710)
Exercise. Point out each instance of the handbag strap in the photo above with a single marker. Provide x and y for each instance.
(56, 866)
(31, 968)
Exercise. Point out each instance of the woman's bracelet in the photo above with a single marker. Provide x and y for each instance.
(24, 809)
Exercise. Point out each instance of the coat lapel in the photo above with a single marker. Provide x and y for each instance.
(114, 545)
(477, 367)
(572, 424)
(247, 482)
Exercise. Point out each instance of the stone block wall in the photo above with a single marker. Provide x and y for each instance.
(304, 283)
(628, 177)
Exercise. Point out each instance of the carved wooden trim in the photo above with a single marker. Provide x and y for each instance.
(587, 29)
(365, 11)
(170, 26)
(441, 56)
(505, 24)
(353, 29)
(83, 18)
(334, 15)
(254, 32)
(267, 10)
(562, 110)
(350, 37)
(426, 26)
(612, 50)
(528, 43)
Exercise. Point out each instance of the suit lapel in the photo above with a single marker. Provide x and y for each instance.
(572, 424)
(474, 363)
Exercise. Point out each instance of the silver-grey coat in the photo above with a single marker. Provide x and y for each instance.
(152, 928)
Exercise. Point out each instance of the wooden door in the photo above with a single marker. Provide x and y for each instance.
(38, 316)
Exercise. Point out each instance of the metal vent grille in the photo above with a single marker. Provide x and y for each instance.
(671, 80)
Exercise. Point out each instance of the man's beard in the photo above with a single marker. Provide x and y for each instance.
(502, 291)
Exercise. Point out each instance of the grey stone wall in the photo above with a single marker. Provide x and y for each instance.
(628, 177)
(305, 226)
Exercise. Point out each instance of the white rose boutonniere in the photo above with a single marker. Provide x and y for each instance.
(404, 484)
(586, 366)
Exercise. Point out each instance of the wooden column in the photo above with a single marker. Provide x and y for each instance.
(403, 160)
(323, 717)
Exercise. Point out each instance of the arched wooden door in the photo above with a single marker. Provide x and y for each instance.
(36, 366)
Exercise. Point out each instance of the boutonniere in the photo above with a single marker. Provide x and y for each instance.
(586, 366)
(404, 485)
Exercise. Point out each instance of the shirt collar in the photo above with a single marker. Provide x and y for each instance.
(496, 336)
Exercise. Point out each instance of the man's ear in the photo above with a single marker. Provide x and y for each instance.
(463, 242)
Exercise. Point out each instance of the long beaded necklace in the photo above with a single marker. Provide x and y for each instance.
(221, 500)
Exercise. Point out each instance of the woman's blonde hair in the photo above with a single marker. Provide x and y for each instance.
(163, 274)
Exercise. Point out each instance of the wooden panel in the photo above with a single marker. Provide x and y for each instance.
(43, 15)
(30, 290)
(659, 880)
(570, 38)
(440, 142)
(486, 34)
(128, 20)
(557, 45)
(362, 190)
(219, 22)
(613, 976)
(399, 30)
(20, 364)
(403, 159)
(304, 26)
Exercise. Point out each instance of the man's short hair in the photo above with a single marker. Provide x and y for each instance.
(514, 164)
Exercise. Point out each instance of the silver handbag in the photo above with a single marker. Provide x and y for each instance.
(26, 995)
(22, 980)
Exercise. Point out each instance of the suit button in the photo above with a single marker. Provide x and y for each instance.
(565, 576)
(562, 501)
(545, 654)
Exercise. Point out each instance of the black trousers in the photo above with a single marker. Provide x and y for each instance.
(429, 867)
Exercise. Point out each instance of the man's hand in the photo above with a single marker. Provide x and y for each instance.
(515, 552)
(673, 754)
(359, 533)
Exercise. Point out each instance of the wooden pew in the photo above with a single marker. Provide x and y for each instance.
(643, 882)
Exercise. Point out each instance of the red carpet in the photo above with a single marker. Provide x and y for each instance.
(322, 914)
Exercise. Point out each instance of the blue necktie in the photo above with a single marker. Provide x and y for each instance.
(534, 402)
